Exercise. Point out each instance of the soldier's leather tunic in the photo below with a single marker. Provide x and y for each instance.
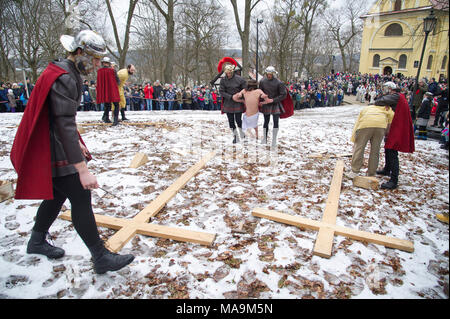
(63, 101)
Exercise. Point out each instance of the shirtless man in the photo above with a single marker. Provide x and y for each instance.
(251, 97)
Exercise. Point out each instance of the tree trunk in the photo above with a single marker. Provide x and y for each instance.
(168, 69)
(244, 33)
(123, 50)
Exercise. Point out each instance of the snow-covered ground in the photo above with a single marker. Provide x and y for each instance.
(268, 260)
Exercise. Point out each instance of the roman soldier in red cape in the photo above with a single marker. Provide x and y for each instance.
(108, 90)
(32, 142)
(231, 84)
(277, 93)
(50, 157)
(400, 136)
(220, 69)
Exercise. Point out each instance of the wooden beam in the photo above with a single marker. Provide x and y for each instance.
(359, 235)
(6, 190)
(156, 205)
(131, 228)
(326, 155)
(139, 223)
(367, 182)
(324, 241)
(138, 160)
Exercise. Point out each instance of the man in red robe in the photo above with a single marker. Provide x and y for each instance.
(400, 137)
(108, 90)
(50, 157)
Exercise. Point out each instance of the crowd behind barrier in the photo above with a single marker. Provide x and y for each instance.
(328, 90)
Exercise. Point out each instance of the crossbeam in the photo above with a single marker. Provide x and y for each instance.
(147, 229)
(310, 224)
(139, 223)
(324, 241)
(327, 226)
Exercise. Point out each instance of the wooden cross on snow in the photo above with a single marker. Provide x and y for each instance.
(139, 224)
(327, 226)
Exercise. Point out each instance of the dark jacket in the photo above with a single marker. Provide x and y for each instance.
(157, 91)
(417, 98)
(64, 99)
(425, 109)
(229, 87)
(388, 100)
(274, 88)
(443, 100)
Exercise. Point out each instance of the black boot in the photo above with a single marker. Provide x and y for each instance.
(383, 172)
(122, 112)
(38, 245)
(389, 185)
(104, 260)
(105, 117)
(235, 136)
(116, 117)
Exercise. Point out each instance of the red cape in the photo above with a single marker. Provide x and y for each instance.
(30, 153)
(288, 106)
(401, 133)
(107, 88)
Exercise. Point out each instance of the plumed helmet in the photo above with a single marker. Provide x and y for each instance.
(88, 40)
(226, 61)
(391, 85)
(270, 70)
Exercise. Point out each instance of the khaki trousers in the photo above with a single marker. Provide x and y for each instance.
(375, 135)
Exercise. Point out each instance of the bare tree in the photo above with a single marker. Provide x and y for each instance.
(203, 28)
(168, 10)
(121, 48)
(6, 66)
(149, 31)
(283, 33)
(24, 18)
(244, 33)
(307, 14)
(344, 24)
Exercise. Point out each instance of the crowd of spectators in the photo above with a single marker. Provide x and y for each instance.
(328, 90)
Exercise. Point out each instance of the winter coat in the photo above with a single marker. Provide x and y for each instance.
(229, 87)
(425, 110)
(418, 96)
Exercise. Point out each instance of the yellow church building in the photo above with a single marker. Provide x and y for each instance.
(393, 38)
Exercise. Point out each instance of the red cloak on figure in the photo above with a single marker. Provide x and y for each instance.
(107, 88)
(401, 133)
(30, 153)
(288, 106)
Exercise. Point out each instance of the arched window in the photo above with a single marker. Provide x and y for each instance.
(444, 63)
(398, 5)
(393, 30)
(402, 61)
(430, 62)
(376, 61)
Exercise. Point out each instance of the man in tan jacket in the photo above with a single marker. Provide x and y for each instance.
(372, 125)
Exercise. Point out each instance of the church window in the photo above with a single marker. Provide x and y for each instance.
(430, 62)
(376, 61)
(393, 30)
(444, 63)
(398, 5)
(402, 61)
